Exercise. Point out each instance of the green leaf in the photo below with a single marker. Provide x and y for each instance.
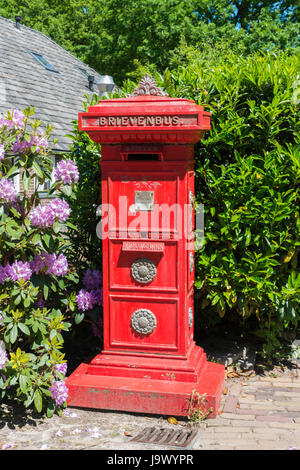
(24, 328)
(57, 227)
(27, 302)
(24, 382)
(14, 334)
(37, 169)
(50, 409)
(26, 180)
(38, 401)
(46, 291)
(78, 317)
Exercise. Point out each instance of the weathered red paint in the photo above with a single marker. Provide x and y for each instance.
(154, 372)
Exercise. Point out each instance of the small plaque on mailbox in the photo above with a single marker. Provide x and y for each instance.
(144, 200)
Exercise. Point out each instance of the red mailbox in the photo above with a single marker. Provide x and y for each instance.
(149, 363)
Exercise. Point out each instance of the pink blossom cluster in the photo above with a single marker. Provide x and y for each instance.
(8, 191)
(24, 147)
(16, 204)
(92, 294)
(87, 300)
(3, 355)
(15, 272)
(49, 264)
(17, 121)
(45, 215)
(62, 368)
(92, 279)
(66, 171)
(59, 391)
(2, 152)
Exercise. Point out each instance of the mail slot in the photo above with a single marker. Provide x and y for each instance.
(147, 144)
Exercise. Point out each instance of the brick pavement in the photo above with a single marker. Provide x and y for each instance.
(257, 413)
(261, 412)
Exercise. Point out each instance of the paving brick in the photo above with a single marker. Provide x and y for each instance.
(291, 414)
(287, 394)
(247, 446)
(281, 419)
(284, 380)
(250, 411)
(264, 396)
(239, 417)
(269, 405)
(285, 425)
(235, 389)
(292, 406)
(248, 423)
(230, 404)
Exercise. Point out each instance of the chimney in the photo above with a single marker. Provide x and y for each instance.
(18, 22)
(91, 80)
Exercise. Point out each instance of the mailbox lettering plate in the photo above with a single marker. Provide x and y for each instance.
(144, 200)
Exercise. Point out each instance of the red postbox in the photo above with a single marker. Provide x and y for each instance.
(150, 362)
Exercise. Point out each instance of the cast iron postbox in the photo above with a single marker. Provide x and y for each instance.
(150, 362)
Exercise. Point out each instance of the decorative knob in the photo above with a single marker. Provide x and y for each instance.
(143, 321)
(143, 270)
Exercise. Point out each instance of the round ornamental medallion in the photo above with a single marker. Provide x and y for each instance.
(143, 321)
(143, 270)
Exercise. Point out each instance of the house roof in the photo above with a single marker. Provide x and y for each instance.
(57, 97)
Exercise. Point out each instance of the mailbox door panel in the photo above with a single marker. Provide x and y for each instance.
(139, 270)
(143, 324)
(143, 202)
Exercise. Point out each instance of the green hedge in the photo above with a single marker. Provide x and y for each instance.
(248, 169)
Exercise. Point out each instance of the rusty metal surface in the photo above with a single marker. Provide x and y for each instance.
(166, 436)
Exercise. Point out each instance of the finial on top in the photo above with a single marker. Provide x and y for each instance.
(147, 86)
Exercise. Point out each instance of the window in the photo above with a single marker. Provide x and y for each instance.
(44, 62)
(82, 70)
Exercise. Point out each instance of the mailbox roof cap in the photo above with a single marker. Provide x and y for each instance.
(145, 118)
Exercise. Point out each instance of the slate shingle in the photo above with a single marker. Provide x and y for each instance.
(57, 97)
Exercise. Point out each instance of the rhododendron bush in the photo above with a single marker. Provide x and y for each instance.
(40, 293)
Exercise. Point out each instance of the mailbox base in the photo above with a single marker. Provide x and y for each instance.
(94, 386)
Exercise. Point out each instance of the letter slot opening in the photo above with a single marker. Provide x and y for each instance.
(143, 156)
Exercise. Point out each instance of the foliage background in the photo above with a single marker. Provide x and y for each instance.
(114, 37)
(247, 177)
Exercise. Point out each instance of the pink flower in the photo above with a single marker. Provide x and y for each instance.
(92, 279)
(2, 152)
(97, 296)
(40, 141)
(19, 270)
(59, 392)
(8, 191)
(45, 215)
(67, 171)
(3, 355)
(3, 274)
(62, 368)
(59, 266)
(50, 264)
(18, 119)
(23, 146)
(87, 300)
(60, 209)
(84, 300)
